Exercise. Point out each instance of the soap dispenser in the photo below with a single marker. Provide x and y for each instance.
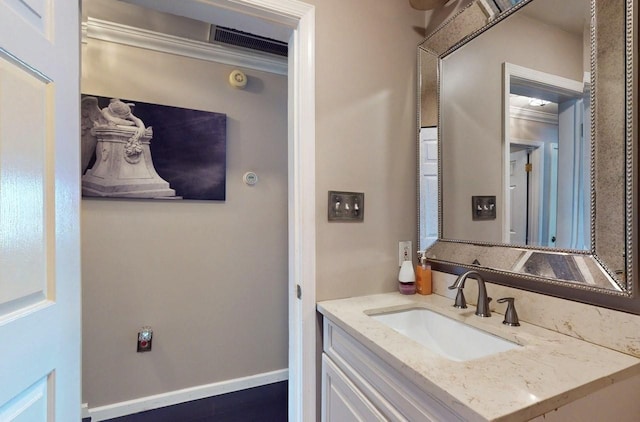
(423, 275)
(407, 278)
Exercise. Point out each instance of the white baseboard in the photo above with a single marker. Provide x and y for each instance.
(84, 411)
(129, 407)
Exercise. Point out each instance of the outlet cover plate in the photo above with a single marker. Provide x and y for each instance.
(404, 247)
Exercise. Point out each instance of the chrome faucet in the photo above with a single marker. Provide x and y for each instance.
(482, 306)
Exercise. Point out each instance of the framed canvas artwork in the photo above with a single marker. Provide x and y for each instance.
(132, 149)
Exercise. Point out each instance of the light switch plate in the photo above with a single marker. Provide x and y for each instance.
(483, 207)
(345, 206)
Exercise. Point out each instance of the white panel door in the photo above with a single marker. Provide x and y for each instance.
(518, 192)
(39, 211)
(428, 187)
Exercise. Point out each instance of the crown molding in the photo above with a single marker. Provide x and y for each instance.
(155, 41)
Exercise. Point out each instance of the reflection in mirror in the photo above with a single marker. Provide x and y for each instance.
(534, 113)
(527, 54)
(547, 159)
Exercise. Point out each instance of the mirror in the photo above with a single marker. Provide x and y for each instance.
(526, 127)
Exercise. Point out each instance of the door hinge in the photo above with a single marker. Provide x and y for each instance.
(298, 291)
(528, 167)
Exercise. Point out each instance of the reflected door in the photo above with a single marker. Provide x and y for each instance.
(428, 186)
(527, 210)
(39, 211)
(572, 196)
(518, 192)
(553, 196)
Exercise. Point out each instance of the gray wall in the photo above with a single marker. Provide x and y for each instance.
(472, 114)
(365, 139)
(219, 269)
(209, 277)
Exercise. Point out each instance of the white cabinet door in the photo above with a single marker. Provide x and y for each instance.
(341, 400)
(392, 394)
(39, 211)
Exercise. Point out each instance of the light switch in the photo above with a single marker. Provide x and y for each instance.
(346, 206)
(483, 207)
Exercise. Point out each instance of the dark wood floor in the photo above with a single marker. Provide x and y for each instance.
(267, 403)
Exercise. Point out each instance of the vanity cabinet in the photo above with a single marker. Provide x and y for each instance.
(373, 372)
(358, 385)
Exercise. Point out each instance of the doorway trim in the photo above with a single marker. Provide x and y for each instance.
(299, 17)
(531, 82)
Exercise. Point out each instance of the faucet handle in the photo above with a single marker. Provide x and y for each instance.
(510, 316)
(460, 301)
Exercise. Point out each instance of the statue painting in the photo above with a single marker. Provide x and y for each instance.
(141, 150)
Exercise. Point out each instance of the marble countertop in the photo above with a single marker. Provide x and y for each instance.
(549, 371)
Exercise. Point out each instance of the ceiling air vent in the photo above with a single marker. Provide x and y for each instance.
(244, 39)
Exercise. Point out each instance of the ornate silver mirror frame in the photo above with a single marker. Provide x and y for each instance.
(495, 261)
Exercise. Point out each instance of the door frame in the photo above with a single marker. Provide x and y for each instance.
(299, 17)
(536, 189)
(545, 86)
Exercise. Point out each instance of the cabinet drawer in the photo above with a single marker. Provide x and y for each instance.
(375, 378)
(341, 399)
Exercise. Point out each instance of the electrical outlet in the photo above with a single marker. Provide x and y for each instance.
(145, 337)
(404, 251)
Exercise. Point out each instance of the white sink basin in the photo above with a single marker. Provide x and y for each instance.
(449, 338)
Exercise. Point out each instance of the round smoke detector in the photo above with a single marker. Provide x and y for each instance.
(238, 79)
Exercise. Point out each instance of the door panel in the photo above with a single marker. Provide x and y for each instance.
(31, 405)
(518, 197)
(39, 211)
(23, 177)
(35, 12)
(428, 186)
